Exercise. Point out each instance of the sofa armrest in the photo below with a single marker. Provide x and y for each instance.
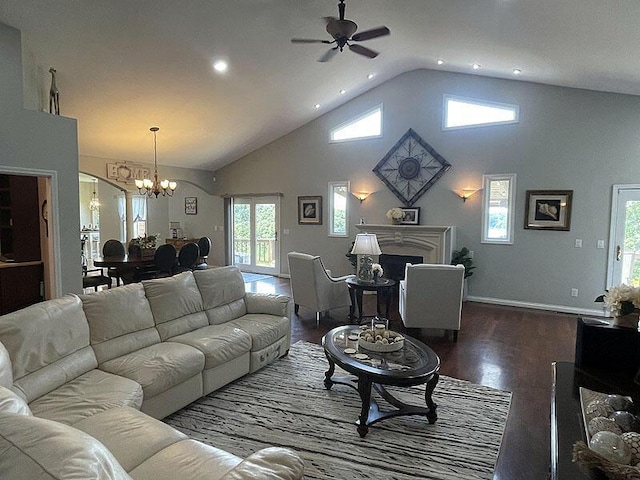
(268, 303)
(268, 464)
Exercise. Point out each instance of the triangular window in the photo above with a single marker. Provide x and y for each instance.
(460, 112)
(367, 125)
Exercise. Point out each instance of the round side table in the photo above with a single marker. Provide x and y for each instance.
(383, 288)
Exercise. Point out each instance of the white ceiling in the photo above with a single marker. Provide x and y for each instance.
(125, 65)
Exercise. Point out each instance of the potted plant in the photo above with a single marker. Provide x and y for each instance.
(461, 257)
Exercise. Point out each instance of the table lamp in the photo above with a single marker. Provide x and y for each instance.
(366, 245)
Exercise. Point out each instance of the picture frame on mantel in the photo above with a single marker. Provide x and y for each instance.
(411, 216)
(191, 205)
(548, 210)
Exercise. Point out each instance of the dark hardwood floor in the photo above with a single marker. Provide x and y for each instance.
(502, 347)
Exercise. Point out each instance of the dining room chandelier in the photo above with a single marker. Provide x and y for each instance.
(94, 203)
(155, 187)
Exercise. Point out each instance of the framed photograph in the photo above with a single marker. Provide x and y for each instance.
(548, 210)
(191, 205)
(310, 210)
(411, 216)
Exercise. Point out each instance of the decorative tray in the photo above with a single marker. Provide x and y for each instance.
(385, 341)
(586, 397)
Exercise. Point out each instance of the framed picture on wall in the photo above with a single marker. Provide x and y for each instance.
(191, 205)
(548, 210)
(411, 216)
(310, 210)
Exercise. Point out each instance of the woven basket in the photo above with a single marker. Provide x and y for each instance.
(586, 457)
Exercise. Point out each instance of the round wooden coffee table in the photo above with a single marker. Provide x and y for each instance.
(414, 364)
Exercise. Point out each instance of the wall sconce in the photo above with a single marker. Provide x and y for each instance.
(362, 196)
(466, 193)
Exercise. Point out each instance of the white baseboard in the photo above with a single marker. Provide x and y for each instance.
(538, 306)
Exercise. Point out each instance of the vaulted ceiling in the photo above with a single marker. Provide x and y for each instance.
(125, 65)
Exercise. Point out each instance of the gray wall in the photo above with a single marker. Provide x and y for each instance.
(39, 141)
(567, 138)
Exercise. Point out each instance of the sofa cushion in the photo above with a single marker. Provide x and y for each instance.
(39, 449)
(6, 371)
(263, 329)
(10, 402)
(176, 304)
(269, 463)
(57, 330)
(120, 321)
(93, 392)
(131, 436)
(218, 343)
(158, 367)
(188, 459)
(222, 291)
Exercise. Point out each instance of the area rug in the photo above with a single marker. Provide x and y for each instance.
(285, 404)
(254, 277)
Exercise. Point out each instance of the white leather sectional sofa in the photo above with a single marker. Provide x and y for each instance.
(82, 376)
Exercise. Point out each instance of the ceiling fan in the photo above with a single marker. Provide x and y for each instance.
(343, 32)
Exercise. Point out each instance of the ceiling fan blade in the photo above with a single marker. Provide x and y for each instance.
(367, 52)
(329, 55)
(369, 34)
(308, 40)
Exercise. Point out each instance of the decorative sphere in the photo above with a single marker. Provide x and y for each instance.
(611, 446)
(600, 424)
(618, 402)
(626, 421)
(632, 440)
(598, 408)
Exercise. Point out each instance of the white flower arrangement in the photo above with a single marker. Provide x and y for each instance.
(621, 299)
(376, 267)
(395, 213)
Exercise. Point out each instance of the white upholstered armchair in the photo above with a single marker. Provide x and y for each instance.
(313, 287)
(431, 296)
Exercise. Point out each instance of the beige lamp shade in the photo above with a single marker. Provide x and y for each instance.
(366, 244)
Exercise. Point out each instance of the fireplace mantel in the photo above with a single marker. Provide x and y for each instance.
(433, 243)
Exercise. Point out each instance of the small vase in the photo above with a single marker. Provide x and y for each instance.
(395, 221)
(627, 321)
(376, 276)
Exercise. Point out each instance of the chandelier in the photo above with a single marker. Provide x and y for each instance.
(155, 187)
(94, 204)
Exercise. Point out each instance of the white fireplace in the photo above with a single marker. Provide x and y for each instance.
(433, 243)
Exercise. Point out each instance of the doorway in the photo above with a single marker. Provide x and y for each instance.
(255, 224)
(624, 237)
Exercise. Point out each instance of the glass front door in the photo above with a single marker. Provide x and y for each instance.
(255, 227)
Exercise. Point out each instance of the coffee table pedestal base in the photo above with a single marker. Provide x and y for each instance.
(371, 412)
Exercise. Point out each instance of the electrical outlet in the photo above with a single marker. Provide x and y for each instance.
(471, 252)
(578, 243)
(600, 244)
(574, 292)
(285, 231)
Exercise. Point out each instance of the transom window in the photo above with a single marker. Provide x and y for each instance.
(367, 125)
(460, 112)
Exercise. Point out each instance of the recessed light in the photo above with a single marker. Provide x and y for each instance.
(220, 66)
(371, 75)
(475, 66)
(517, 71)
(440, 61)
(316, 106)
(343, 91)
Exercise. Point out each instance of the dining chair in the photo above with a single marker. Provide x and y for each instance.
(431, 297)
(313, 287)
(94, 281)
(113, 248)
(204, 244)
(187, 257)
(164, 261)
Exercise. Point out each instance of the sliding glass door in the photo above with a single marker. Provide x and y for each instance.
(255, 225)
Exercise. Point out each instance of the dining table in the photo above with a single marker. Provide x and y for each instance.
(124, 265)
